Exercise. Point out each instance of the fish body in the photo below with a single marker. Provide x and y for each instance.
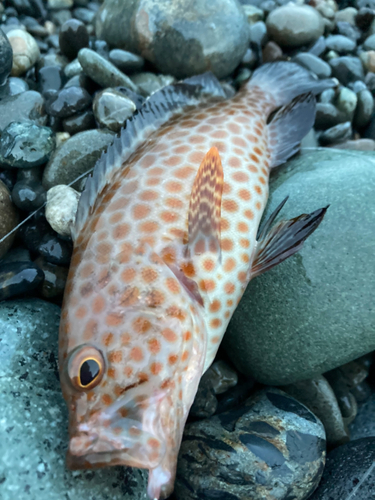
(165, 246)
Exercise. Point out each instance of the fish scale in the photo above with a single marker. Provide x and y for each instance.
(141, 294)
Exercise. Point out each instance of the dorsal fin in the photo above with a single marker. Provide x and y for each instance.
(205, 206)
(156, 111)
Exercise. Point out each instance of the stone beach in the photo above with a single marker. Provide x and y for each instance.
(287, 409)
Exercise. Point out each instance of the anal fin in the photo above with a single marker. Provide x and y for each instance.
(284, 239)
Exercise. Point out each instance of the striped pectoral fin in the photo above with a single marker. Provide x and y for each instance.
(205, 207)
(284, 239)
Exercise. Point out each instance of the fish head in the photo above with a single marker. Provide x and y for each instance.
(130, 368)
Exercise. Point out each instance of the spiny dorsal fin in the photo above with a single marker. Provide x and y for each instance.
(156, 111)
(205, 206)
(284, 239)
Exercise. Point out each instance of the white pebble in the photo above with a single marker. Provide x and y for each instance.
(61, 208)
(25, 51)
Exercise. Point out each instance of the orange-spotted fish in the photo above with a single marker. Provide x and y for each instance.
(165, 244)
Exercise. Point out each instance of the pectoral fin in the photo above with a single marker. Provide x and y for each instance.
(284, 239)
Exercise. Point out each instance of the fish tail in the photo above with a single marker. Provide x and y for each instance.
(293, 91)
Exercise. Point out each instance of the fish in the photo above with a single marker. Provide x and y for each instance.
(166, 239)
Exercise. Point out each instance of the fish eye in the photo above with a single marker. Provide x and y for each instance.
(86, 367)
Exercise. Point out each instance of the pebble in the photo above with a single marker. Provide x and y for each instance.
(340, 44)
(250, 58)
(52, 60)
(347, 102)
(320, 399)
(339, 133)
(347, 69)
(126, 61)
(68, 101)
(55, 250)
(35, 416)
(18, 254)
(6, 57)
(258, 34)
(72, 38)
(364, 423)
(327, 96)
(25, 107)
(297, 338)
(253, 14)
(272, 52)
(51, 78)
(349, 472)
(347, 15)
(294, 25)
(205, 402)
(358, 145)
(313, 64)
(112, 108)
(147, 83)
(318, 47)
(13, 86)
(79, 122)
(272, 445)
(85, 15)
(76, 156)
(327, 116)
(365, 18)
(54, 280)
(74, 68)
(25, 51)
(28, 196)
(8, 219)
(348, 30)
(18, 278)
(25, 145)
(61, 208)
(103, 72)
(223, 376)
(369, 43)
(364, 110)
(350, 377)
(173, 43)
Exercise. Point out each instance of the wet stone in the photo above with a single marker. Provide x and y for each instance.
(314, 64)
(25, 145)
(6, 57)
(364, 109)
(72, 38)
(61, 208)
(102, 71)
(13, 86)
(54, 280)
(205, 401)
(347, 69)
(55, 250)
(18, 254)
(327, 116)
(18, 278)
(256, 449)
(136, 98)
(25, 51)
(51, 78)
(148, 83)
(27, 106)
(223, 376)
(339, 133)
(76, 156)
(28, 196)
(348, 466)
(32, 232)
(236, 396)
(52, 60)
(35, 416)
(68, 101)
(340, 44)
(8, 219)
(112, 109)
(79, 122)
(126, 61)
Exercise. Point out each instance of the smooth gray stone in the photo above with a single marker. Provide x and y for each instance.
(34, 416)
(347, 69)
(339, 133)
(314, 64)
(126, 61)
(27, 106)
(369, 43)
(365, 108)
(364, 423)
(339, 43)
(314, 311)
(76, 156)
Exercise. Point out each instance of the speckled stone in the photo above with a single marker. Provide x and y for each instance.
(25, 51)
(8, 219)
(54, 280)
(35, 419)
(270, 446)
(26, 106)
(284, 328)
(61, 208)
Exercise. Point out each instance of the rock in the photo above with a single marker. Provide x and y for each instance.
(369, 43)
(166, 34)
(349, 472)
(271, 446)
(258, 34)
(54, 281)
(51, 78)
(272, 52)
(236, 396)
(250, 58)
(25, 51)
(339, 133)
(6, 57)
(350, 377)
(364, 109)
(364, 423)
(28, 195)
(68, 101)
(347, 15)
(347, 69)
(365, 18)
(284, 328)
(319, 398)
(126, 61)
(35, 416)
(112, 108)
(340, 44)
(79, 122)
(348, 30)
(358, 145)
(73, 37)
(205, 401)
(148, 83)
(76, 156)
(347, 102)
(223, 377)
(74, 68)
(102, 71)
(294, 25)
(18, 254)
(18, 278)
(13, 86)
(61, 208)
(55, 249)
(327, 115)
(313, 64)
(25, 145)
(327, 96)
(319, 47)
(8, 219)
(253, 14)
(27, 106)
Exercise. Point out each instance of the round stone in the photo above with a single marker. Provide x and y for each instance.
(112, 109)
(79, 122)
(8, 219)
(73, 37)
(51, 78)
(347, 69)
(61, 208)
(295, 25)
(26, 106)
(6, 57)
(25, 51)
(340, 44)
(67, 102)
(126, 61)
(54, 279)
(364, 110)
(28, 196)
(17, 278)
(313, 64)
(339, 133)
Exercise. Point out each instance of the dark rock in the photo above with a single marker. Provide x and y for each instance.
(6, 57)
(112, 108)
(28, 196)
(79, 122)
(27, 106)
(364, 423)
(25, 51)
(364, 18)
(313, 64)
(327, 116)
(347, 69)
(8, 219)
(85, 15)
(13, 86)
(126, 61)
(55, 250)
(51, 78)
(349, 472)
(73, 37)
(339, 133)
(148, 83)
(68, 101)
(358, 145)
(235, 397)
(364, 110)
(251, 450)
(205, 402)
(54, 279)
(17, 278)
(167, 34)
(18, 254)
